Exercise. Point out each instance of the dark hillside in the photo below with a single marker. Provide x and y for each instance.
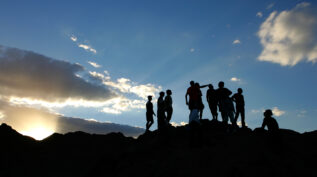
(210, 149)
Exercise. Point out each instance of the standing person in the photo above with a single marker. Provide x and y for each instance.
(192, 93)
(239, 99)
(199, 103)
(168, 105)
(161, 118)
(149, 113)
(225, 103)
(212, 100)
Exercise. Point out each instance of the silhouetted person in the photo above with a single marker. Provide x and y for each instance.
(270, 122)
(212, 100)
(225, 103)
(199, 103)
(168, 105)
(239, 99)
(149, 113)
(161, 118)
(193, 94)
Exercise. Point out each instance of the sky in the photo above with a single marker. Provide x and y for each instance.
(99, 60)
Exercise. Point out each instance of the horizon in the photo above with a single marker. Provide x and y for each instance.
(98, 61)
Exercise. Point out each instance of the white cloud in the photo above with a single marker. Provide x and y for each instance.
(81, 45)
(73, 38)
(237, 41)
(290, 36)
(175, 124)
(234, 79)
(239, 123)
(94, 64)
(125, 87)
(259, 14)
(277, 112)
(192, 50)
(88, 48)
(122, 104)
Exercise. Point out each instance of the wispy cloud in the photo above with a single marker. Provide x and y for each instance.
(277, 112)
(192, 50)
(289, 37)
(82, 45)
(235, 79)
(270, 6)
(73, 38)
(259, 14)
(88, 48)
(94, 64)
(237, 41)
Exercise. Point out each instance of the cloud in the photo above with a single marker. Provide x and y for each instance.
(125, 85)
(237, 41)
(192, 50)
(27, 120)
(234, 79)
(302, 113)
(88, 48)
(73, 38)
(259, 14)
(94, 64)
(66, 124)
(81, 45)
(25, 74)
(290, 37)
(270, 6)
(277, 112)
(175, 124)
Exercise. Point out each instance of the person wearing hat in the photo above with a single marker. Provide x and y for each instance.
(149, 113)
(270, 122)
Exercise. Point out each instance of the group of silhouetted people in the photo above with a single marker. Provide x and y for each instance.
(218, 99)
(164, 110)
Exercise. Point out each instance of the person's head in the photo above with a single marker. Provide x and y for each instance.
(211, 86)
(162, 94)
(168, 92)
(197, 84)
(149, 97)
(240, 90)
(221, 84)
(268, 113)
(192, 83)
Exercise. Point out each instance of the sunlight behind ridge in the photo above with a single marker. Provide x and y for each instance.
(38, 132)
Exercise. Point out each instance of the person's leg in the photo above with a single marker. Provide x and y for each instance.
(169, 112)
(243, 117)
(224, 116)
(201, 113)
(237, 115)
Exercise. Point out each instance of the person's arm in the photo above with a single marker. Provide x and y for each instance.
(203, 86)
(263, 124)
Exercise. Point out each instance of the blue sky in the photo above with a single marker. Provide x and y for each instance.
(268, 48)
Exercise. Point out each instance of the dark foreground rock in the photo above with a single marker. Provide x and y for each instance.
(209, 149)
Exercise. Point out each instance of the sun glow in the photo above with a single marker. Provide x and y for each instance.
(38, 132)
